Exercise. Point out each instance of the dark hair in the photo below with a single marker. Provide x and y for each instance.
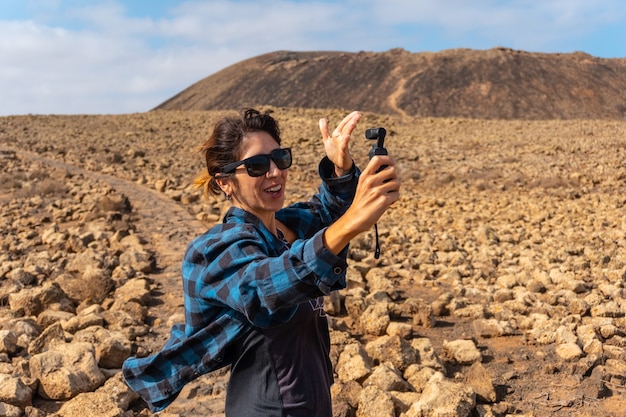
(225, 143)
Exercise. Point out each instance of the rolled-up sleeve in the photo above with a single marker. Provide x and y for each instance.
(330, 268)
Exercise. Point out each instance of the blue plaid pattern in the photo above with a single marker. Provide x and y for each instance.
(239, 274)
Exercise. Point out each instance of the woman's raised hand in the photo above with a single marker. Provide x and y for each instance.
(336, 143)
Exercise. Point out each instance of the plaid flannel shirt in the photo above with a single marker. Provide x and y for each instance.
(239, 274)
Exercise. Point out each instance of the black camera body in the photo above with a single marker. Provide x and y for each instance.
(377, 134)
(378, 148)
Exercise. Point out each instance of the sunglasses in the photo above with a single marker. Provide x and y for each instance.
(259, 165)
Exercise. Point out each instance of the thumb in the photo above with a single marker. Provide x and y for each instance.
(323, 124)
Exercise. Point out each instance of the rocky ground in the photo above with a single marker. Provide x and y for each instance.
(499, 291)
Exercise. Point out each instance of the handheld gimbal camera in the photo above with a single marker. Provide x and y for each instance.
(377, 134)
(378, 148)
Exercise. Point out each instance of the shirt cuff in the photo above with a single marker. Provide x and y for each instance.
(326, 171)
(330, 269)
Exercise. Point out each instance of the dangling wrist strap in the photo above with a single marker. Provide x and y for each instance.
(377, 250)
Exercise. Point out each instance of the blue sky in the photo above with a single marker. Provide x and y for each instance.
(114, 56)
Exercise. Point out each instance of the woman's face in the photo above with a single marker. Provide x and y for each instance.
(264, 195)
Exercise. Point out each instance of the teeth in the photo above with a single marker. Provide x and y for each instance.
(274, 189)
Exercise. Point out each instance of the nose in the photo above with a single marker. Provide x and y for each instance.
(274, 171)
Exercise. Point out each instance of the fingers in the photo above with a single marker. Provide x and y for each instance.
(347, 126)
(349, 122)
(323, 124)
(383, 176)
(336, 143)
(378, 162)
(370, 203)
(380, 176)
(344, 128)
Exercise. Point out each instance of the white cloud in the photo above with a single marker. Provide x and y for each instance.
(103, 53)
(98, 56)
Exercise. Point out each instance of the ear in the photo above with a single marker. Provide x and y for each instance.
(226, 185)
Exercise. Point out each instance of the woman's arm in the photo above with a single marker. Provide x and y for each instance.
(334, 196)
(245, 267)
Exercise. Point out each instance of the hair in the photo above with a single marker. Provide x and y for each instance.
(225, 145)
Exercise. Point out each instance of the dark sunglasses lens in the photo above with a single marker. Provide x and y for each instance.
(257, 165)
(282, 158)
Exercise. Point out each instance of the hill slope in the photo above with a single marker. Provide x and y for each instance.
(493, 84)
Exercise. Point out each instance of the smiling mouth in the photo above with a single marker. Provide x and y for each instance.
(274, 189)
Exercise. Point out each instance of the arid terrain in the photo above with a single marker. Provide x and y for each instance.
(498, 83)
(509, 240)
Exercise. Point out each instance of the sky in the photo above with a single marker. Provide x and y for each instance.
(119, 57)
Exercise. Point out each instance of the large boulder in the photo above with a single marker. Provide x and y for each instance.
(66, 371)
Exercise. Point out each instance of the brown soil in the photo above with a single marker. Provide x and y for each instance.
(544, 187)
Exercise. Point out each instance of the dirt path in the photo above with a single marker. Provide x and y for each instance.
(168, 227)
(163, 222)
(397, 93)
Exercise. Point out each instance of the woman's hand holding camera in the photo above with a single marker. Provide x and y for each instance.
(377, 190)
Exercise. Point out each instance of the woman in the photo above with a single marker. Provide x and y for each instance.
(254, 284)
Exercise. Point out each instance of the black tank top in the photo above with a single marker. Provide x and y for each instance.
(283, 371)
